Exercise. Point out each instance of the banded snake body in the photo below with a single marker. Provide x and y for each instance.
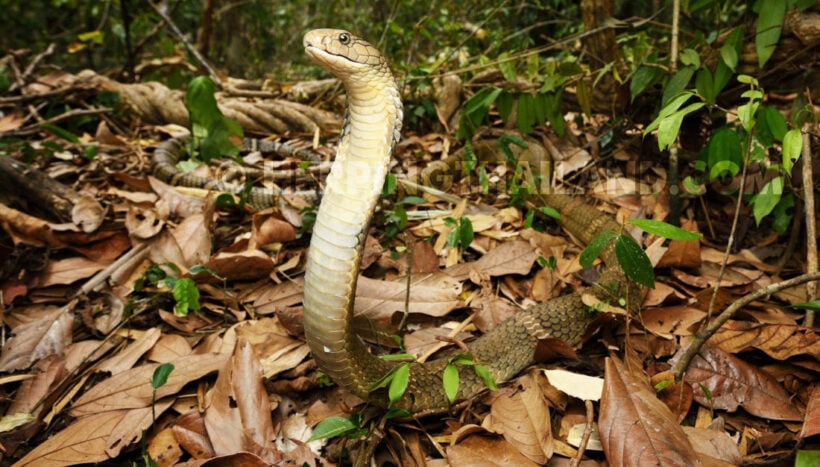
(372, 128)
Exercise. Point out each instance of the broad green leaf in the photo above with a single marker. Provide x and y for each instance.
(669, 127)
(723, 153)
(771, 125)
(526, 113)
(806, 458)
(769, 25)
(466, 232)
(549, 212)
(765, 201)
(160, 376)
(186, 295)
(705, 85)
(782, 214)
(581, 95)
(792, 145)
(504, 104)
(746, 114)
(678, 82)
(633, 261)
(729, 55)
(554, 113)
(643, 77)
(451, 381)
(484, 373)
(507, 67)
(671, 107)
(595, 247)
(475, 110)
(332, 427)
(665, 230)
(690, 57)
(723, 168)
(399, 382)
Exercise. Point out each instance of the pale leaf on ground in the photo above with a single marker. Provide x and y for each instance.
(433, 295)
(238, 417)
(780, 341)
(576, 385)
(132, 389)
(486, 451)
(132, 426)
(164, 448)
(87, 213)
(169, 347)
(129, 356)
(515, 257)
(811, 424)
(635, 427)
(671, 321)
(47, 336)
(715, 444)
(176, 202)
(81, 442)
(193, 235)
(30, 395)
(69, 270)
(273, 344)
(243, 265)
(191, 434)
(523, 418)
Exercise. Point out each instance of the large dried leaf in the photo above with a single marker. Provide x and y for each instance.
(83, 441)
(273, 344)
(32, 341)
(32, 392)
(668, 322)
(126, 359)
(486, 452)
(811, 424)
(133, 425)
(433, 295)
(132, 389)
(238, 416)
(193, 235)
(715, 444)
(514, 257)
(733, 382)
(779, 341)
(576, 385)
(635, 427)
(523, 418)
(69, 270)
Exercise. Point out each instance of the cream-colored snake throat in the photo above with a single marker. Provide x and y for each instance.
(353, 186)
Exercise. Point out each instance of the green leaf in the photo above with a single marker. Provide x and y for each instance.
(770, 125)
(677, 82)
(549, 212)
(729, 55)
(665, 230)
(399, 382)
(526, 113)
(643, 77)
(451, 381)
(783, 214)
(792, 146)
(390, 184)
(813, 305)
(724, 146)
(211, 129)
(705, 85)
(484, 373)
(595, 247)
(332, 427)
(160, 376)
(186, 295)
(690, 57)
(633, 261)
(764, 202)
(61, 133)
(583, 97)
(475, 110)
(806, 458)
(669, 127)
(466, 232)
(671, 107)
(504, 104)
(769, 25)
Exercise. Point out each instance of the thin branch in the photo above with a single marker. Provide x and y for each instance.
(689, 353)
(811, 224)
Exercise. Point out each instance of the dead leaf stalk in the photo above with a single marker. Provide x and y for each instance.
(576, 461)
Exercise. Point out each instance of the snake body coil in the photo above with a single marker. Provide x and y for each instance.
(372, 128)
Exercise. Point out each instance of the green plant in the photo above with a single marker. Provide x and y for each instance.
(183, 289)
(451, 378)
(461, 235)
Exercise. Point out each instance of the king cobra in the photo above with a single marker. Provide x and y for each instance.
(372, 128)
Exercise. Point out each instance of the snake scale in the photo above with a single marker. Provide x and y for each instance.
(372, 127)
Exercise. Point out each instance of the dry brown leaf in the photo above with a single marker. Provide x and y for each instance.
(68, 271)
(32, 341)
(164, 448)
(733, 382)
(514, 257)
(433, 295)
(635, 427)
(583, 387)
(671, 321)
(143, 223)
(271, 296)
(132, 388)
(268, 229)
(239, 459)
(238, 417)
(523, 418)
(492, 309)
(81, 442)
(682, 254)
(132, 426)
(715, 444)
(779, 341)
(193, 235)
(811, 423)
(191, 434)
(175, 202)
(277, 350)
(169, 347)
(87, 213)
(126, 359)
(32, 392)
(485, 451)
(244, 265)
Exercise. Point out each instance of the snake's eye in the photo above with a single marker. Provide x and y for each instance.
(344, 38)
